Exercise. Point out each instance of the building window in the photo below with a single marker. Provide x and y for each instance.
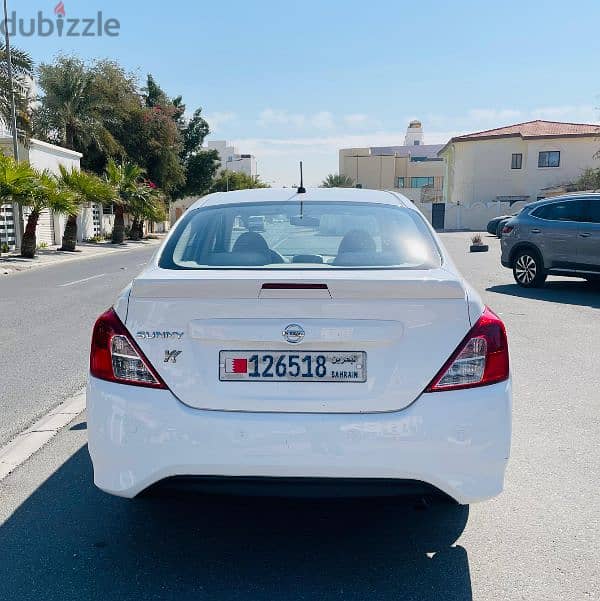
(399, 182)
(517, 161)
(421, 182)
(417, 142)
(549, 158)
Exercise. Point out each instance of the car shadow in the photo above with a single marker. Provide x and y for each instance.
(68, 540)
(567, 292)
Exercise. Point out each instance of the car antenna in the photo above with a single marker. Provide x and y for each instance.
(301, 188)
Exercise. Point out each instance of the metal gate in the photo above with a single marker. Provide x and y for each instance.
(44, 232)
(45, 228)
(438, 215)
(97, 219)
(7, 226)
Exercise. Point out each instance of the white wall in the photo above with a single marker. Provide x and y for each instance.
(479, 171)
(48, 156)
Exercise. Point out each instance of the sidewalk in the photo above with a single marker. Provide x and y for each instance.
(13, 263)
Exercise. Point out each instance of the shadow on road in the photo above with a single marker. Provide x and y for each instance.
(70, 541)
(567, 292)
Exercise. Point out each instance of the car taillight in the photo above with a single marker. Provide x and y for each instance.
(507, 229)
(480, 359)
(116, 357)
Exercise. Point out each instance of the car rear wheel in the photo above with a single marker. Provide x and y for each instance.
(528, 269)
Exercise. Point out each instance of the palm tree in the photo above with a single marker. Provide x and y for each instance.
(145, 204)
(22, 184)
(16, 180)
(84, 188)
(22, 67)
(333, 180)
(71, 106)
(126, 179)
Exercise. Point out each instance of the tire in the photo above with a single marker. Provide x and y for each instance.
(528, 269)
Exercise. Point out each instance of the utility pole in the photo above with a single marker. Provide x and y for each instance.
(18, 218)
(11, 86)
(229, 160)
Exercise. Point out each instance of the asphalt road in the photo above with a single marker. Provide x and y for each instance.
(46, 317)
(60, 538)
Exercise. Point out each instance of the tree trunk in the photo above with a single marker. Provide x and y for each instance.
(29, 242)
(135, 229)
(70, 137)
(69, 240)
(141, 229)
(118, 233)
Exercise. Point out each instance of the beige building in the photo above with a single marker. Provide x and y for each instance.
(414, 169)
(500, 170)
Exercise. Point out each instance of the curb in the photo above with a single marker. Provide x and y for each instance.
(35, 437)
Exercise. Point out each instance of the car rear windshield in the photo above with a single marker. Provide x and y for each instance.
(301, 235)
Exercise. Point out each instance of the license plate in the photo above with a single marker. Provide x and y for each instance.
(290, 366)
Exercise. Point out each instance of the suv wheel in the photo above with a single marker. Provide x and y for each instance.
(528, 269)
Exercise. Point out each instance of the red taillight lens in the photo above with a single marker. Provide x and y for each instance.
(117, 358)
(480, 359)
(507, 229)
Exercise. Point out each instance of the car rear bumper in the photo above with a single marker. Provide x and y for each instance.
(455, 441)
(506, 245)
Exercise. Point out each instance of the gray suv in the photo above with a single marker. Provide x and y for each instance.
(559, 236)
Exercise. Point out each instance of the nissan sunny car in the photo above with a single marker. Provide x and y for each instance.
(337, 345)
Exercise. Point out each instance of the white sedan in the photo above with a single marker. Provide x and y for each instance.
(338, 348)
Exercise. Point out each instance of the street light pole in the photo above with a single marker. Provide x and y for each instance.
(11, 87)
(229, 160)
(18, 221)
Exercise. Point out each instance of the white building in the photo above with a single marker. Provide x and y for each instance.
(42, 155)
(414, 134)
(231, 159)
(498, 171)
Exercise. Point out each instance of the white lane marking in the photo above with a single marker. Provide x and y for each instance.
(34, 438)
(92, 277)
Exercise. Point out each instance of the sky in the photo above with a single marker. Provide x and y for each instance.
(294, 80)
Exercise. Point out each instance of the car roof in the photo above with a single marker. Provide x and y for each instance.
(569, 196)
(312, 194)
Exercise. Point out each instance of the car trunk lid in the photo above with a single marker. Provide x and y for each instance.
(407, 322)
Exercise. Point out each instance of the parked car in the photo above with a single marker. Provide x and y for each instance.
(555, 236)
(256, 223)
(492, 226)
(502, 223)
(359, 360)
